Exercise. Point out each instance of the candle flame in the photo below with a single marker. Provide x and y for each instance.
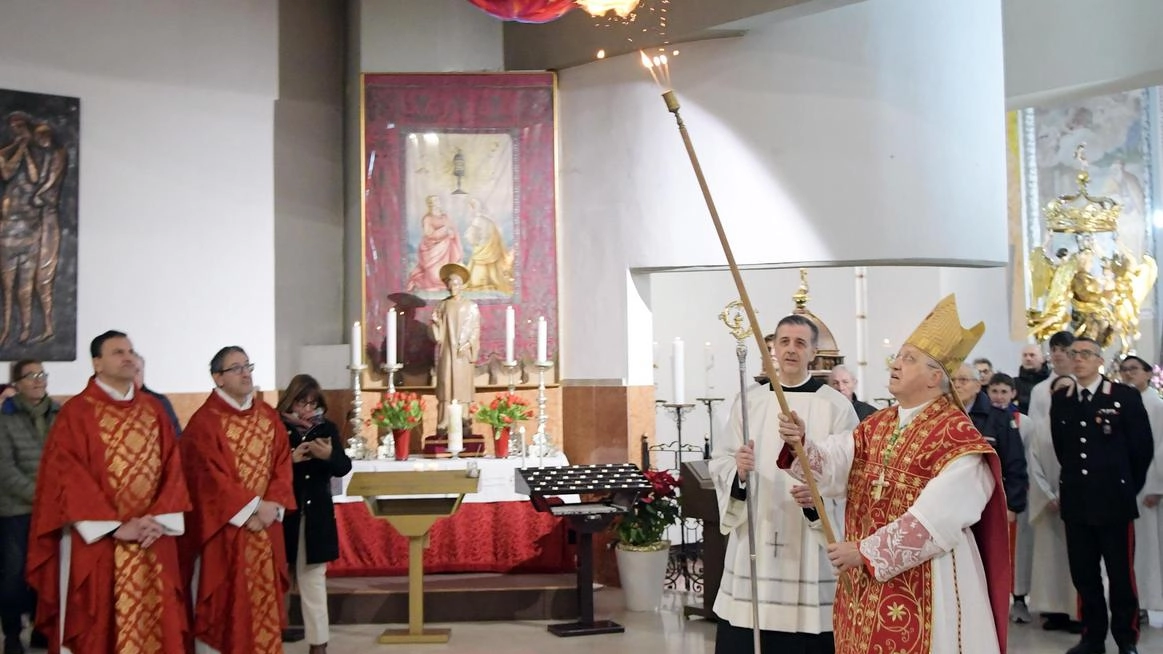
(659, 69)
(601, 54)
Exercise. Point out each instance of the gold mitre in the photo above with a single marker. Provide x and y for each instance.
(941, 336)
(450, 269)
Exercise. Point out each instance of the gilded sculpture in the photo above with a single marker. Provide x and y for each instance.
(1090, 284)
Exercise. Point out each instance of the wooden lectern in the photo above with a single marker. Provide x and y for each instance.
(410, 501)
(699, 500)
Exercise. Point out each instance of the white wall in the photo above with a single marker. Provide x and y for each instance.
(1057, 50)
(176, 216)
(843, 136)
(687, 304)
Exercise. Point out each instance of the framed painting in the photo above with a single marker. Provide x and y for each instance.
(39, 150)
(458, 169)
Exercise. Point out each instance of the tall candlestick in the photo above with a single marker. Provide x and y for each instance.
(542, 340)
(677, 356)
(356, 345)
(392, 320)
(510, 332)
(455, 427)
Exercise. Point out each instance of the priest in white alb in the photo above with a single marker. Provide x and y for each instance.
(926, 546)
(1149, 527)
(795, 581)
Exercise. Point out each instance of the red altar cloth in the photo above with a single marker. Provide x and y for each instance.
(494, 537)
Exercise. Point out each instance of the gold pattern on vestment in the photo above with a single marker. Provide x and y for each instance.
(133, 462)
(249, 438)
(896, 616)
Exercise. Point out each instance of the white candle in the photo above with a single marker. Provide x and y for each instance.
(708, 368)
(678, 370)
(510, 332)
(542, 340)
(392, 337)
(455, 427)
(356, 345)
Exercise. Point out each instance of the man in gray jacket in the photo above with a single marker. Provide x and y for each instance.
(25, 419)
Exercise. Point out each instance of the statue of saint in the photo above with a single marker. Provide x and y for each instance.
(456, 328)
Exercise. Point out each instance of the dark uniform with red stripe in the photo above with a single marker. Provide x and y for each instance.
(1104, 445)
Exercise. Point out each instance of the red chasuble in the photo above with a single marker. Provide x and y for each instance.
(108, 460)
(231, 457)
(896, 615)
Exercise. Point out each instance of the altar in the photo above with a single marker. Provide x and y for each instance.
(495, 530)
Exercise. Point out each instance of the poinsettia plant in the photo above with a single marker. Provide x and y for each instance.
(505, 410)
(398, 411)
(654, 511)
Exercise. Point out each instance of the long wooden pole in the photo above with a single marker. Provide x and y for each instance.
(810, 479)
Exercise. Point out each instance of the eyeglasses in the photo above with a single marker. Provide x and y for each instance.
(1082, 354)
(1131, 369)
(308, 404)
(238, 368)
(964, 380)
(35, 376)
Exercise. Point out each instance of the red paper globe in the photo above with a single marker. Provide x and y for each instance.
(525, 11)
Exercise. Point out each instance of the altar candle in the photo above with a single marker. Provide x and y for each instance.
(542, 340)
(392, 337)
(510, 332)
(356, 355)
(678, 370)
(455, 427)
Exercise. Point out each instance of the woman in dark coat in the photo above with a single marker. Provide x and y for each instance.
(311, 537)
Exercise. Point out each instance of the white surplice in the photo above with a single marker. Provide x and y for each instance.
(795, 580)
(1051, 587)
(946, 508)
(1149, 526)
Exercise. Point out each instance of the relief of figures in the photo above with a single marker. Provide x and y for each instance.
(38, 218)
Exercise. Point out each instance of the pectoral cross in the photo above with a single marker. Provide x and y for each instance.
(878, 486)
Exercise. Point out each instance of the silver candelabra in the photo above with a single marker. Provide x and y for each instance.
(516, 434)
(356, 446)
(540, 446)
(391, 371)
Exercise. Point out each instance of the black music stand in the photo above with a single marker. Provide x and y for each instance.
(623, 482)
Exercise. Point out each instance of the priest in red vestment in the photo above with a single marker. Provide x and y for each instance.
(238, 464)
(926, 553)
(109, 501)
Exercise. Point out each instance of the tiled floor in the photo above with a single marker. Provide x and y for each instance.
(657, 633)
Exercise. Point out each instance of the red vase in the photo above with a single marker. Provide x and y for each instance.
(403, 438)
(501, 442)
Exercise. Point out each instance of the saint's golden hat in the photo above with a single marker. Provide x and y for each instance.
(941, 336)
(450, 269)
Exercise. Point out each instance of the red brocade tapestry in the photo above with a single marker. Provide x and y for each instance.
(506, 537)
(459, 168)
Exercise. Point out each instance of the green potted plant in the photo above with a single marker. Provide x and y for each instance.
(399, 413)
(640, 545)
(501, 414)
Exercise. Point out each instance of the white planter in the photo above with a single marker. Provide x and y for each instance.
(643, 573)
